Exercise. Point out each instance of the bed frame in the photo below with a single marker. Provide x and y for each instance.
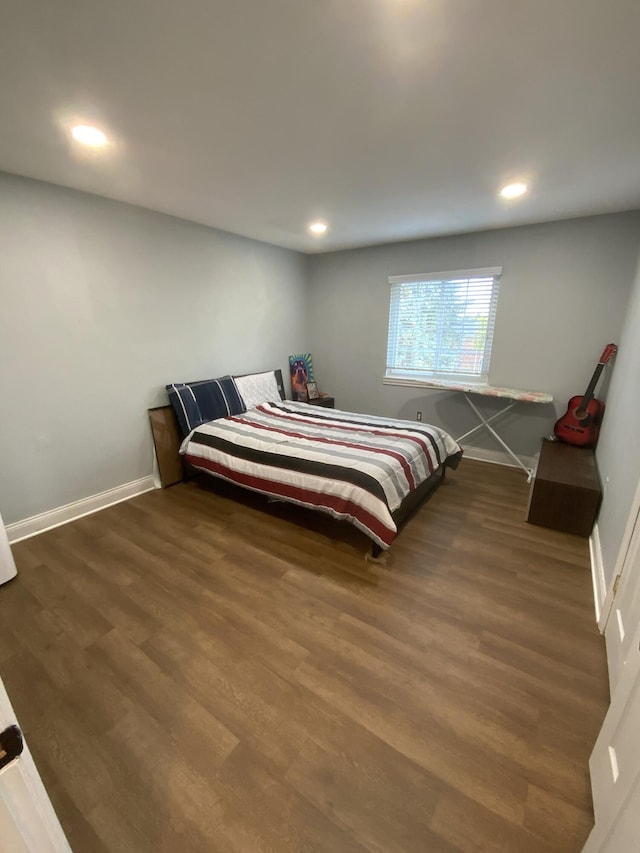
(172, 468)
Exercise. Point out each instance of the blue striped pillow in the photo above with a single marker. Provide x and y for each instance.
(218, 398)
(185, 406)
(196, 403)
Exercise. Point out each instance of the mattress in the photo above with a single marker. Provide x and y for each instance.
(358, 468)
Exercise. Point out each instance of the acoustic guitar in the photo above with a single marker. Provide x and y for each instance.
(580, 424)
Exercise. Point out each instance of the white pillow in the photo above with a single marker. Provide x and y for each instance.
(258, 388)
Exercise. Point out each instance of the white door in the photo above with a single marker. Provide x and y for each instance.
(7, 565)
(615, 765)
(28, 823)
(619, 566)
(625, 833)
(625, 612)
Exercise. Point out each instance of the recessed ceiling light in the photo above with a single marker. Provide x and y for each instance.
(513, 190)
(87, 135)
(318, 228)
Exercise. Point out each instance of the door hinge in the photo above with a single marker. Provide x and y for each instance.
(616, 584)
(11, 745)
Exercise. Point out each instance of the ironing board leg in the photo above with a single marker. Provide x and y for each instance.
(483, 421)
(486, 422)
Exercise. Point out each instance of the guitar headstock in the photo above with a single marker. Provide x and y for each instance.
(608, 353)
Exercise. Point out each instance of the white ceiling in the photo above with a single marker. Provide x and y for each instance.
(391, 119)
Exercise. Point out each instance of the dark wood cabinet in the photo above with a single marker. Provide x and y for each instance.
(327, 402)
(565, 492)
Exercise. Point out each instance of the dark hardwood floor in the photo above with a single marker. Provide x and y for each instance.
(198, 673)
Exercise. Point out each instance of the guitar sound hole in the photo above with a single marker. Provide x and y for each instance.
(583, 417)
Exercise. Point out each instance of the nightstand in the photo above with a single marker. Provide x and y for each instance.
(565, 492)
(327, 402)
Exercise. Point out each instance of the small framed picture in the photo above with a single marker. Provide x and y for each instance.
(312, 390)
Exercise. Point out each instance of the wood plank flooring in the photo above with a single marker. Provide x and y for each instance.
(198, 672)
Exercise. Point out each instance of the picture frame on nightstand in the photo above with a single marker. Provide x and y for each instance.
(312, 391)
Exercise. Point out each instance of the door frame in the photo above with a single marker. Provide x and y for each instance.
(605, 824)
(26, 812)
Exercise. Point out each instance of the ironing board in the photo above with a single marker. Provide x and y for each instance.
(515, 396)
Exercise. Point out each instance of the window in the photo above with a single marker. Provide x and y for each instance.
(441, 326)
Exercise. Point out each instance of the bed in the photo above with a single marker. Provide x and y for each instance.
(370, 471)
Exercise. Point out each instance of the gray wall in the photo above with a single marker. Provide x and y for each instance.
(564, 291)
(618, 450)
(102, 304)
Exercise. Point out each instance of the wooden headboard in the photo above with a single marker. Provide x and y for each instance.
(167, 441)
(167, 438)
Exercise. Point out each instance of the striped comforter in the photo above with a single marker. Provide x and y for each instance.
(355, 467)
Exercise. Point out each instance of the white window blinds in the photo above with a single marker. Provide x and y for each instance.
(441, 325)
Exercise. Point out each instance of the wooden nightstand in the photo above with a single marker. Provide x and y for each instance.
(327, 402)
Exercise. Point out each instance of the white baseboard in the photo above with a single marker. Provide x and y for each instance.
(70, 512)
(496, 457)
(597, 571)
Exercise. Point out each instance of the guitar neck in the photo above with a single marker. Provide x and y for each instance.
(588, 394)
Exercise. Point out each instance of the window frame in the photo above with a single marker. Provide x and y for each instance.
(395, 376)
